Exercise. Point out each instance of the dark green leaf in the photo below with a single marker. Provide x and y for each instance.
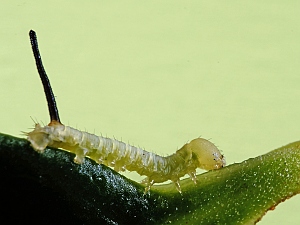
(49, 188)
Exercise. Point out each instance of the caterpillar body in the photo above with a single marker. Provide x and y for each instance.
(199, 153)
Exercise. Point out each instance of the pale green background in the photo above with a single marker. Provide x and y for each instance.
(160, 73)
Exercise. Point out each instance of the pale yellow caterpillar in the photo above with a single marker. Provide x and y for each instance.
(199, 153)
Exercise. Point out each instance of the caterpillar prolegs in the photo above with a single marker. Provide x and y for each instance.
(199, 153)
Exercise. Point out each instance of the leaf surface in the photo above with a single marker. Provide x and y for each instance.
(49, 188)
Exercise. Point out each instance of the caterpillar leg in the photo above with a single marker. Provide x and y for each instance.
(193, 176)
(80, 154)
(119, 167)
(177, 185)
(148, 183)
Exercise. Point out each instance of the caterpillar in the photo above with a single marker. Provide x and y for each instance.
(199, 153)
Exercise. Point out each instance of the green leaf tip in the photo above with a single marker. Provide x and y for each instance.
(51, 187)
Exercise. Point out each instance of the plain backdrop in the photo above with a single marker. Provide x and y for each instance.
(157, 74)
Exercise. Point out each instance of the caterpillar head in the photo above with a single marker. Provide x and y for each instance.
(206, 154)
